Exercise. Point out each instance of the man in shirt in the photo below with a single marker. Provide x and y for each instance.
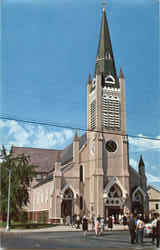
(132, 228)
(139, 228)
(158, 231)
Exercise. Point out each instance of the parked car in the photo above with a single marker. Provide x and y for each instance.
(148, 230)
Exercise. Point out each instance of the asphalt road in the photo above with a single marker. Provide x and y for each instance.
(52, 240)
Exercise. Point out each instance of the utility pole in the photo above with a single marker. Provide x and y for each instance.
(2, 157)
(9, 191)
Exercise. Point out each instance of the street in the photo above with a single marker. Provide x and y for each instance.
(52, 240)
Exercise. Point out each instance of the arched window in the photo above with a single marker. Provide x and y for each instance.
(68, 194)
(115, 192)
(109, 79)
(81, 202)
(81, 173)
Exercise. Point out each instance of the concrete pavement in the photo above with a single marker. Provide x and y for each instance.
(64, 228)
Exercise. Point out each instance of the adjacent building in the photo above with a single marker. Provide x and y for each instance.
(154, 200)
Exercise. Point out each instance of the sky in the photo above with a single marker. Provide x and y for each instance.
(48, 50)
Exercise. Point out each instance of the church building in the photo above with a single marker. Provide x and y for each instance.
(92, 176)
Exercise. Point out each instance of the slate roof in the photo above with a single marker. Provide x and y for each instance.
(44, 158)
(67, 154)
(134, 171)
(46, 180)
(152, 187)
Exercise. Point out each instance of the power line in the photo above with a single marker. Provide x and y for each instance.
(52, 124)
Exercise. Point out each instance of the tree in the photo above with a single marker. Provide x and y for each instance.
(22, 174)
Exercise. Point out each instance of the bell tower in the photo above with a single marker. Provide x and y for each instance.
(106, 93)
(106, 119)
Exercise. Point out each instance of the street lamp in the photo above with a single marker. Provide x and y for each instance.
(9, 190)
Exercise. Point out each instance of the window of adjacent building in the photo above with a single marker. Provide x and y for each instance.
(81, 173)
(157, 206)
(81, 202)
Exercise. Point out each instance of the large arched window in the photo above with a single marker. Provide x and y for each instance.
(81, 173)
(115, 192)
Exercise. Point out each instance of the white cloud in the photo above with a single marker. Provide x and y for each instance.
(26, 135)
(133, 163)
(151, 178)
(143, 143)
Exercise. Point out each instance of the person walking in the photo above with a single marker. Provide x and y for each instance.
(78, 222)
(158, 231)
(139, 228)
(101, 226)
(124, 221)
(85, 226)
(154, 224)
(68, 220)
(110, 222)
(136, 234)
(93, 222)
(132, 228)
(99, 218)
(74, 220)
(97, 225)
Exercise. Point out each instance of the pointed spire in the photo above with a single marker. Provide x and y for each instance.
(141, 162)
(89, 79)
(121, 75)
(76, 136)
(105, 60)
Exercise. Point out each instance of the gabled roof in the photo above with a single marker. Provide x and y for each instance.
(67, 154)
(152, 187)
(44, 158)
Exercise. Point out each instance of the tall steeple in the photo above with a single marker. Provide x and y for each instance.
(105, 60)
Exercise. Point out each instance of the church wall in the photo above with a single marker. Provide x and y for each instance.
(40, 201)
(134, 178)
(115, 163)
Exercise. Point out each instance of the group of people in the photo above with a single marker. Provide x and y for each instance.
(135, 224)
(136, 229)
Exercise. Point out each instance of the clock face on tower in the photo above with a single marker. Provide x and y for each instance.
(111, 146)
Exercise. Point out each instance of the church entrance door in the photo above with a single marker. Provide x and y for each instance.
(114, 211)
(67, 206)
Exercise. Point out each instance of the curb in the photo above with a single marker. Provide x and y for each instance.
(56, 230)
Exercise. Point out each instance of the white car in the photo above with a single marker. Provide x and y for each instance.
(148, 230)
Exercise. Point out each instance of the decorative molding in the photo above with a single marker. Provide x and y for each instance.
(141, 191)
(65, 188)
(110, 184)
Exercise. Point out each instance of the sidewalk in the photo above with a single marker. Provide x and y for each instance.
(64, 228)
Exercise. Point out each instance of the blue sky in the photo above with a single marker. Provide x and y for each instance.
(48, 50)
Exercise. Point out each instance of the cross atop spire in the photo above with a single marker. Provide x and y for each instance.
(104, 3)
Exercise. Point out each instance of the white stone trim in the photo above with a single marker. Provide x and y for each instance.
(110, 184)
(110, 76)
(37, 210)
(66, 187)
(140, 190)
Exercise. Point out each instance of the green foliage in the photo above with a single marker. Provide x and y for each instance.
(42, 218)
(22, 174)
